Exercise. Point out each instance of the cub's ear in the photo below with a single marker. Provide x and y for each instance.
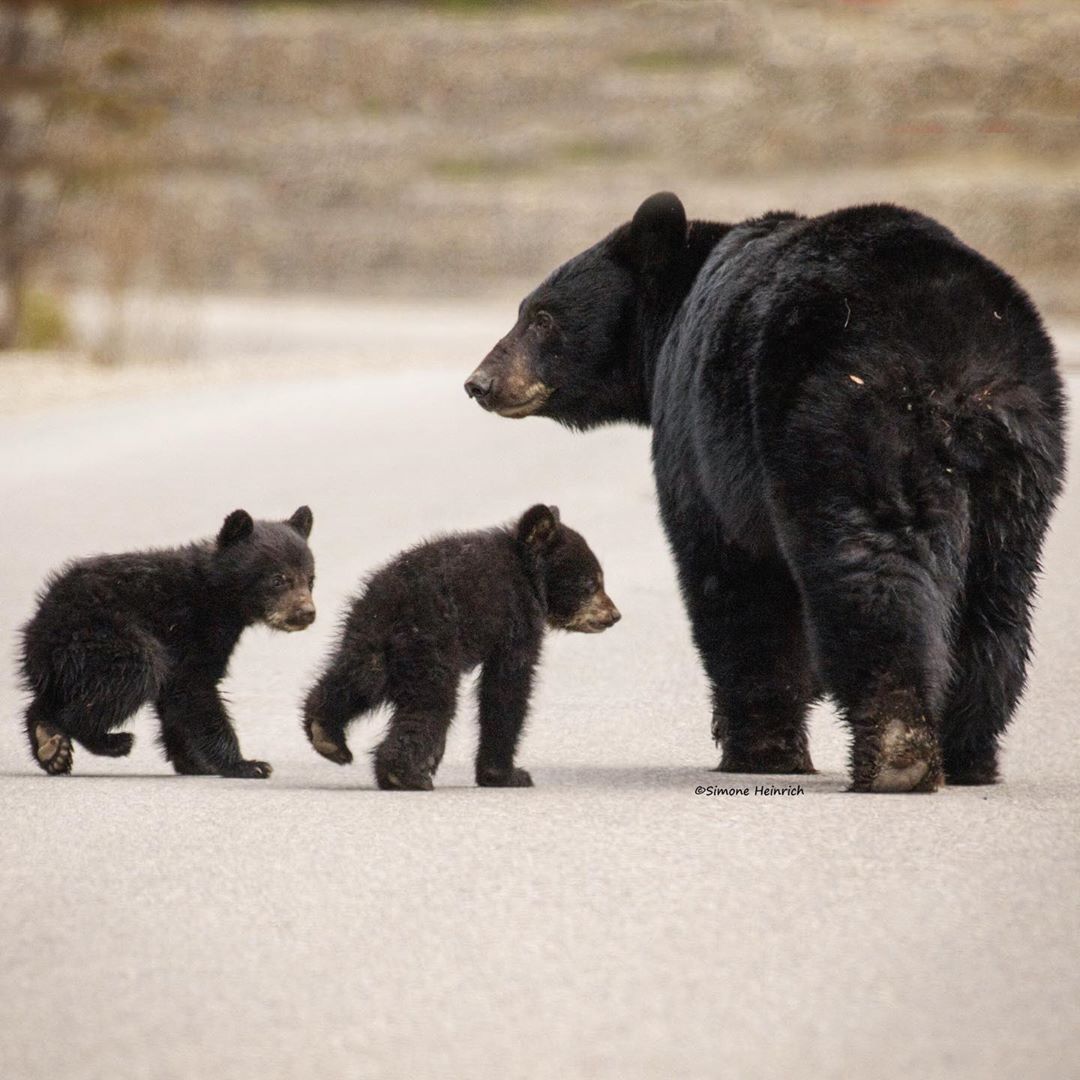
(538, 526)
(657, 233)
(237, 526)
(302, 521)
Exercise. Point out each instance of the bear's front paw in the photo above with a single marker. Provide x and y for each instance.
(331, 748)
(488, 776)
(248, 770)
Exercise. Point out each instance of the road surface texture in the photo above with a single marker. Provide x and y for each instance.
(609, 923)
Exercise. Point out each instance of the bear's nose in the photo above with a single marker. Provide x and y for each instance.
(303, 615)
(478, 386)
(614, 617)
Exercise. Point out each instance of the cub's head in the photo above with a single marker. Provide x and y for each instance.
(270, 566)
(573, 579)
(573, 354)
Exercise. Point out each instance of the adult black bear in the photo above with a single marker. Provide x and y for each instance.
(858, 441)
(439, 610)
(117, 631)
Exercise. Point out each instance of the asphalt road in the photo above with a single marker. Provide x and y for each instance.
(607, 923)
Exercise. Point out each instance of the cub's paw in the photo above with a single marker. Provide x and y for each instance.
(331, 748)
(488, 776)
(389, 780)
(188, 766)
(53, 750)
(118, 744)
(248, 770)
(397, 774)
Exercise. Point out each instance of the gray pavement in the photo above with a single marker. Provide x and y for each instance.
(608, 923)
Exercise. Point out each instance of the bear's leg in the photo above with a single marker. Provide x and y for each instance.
(879, 606)
(196, 732)
(993, 630)
(505, 685)
(353, 684)
(747, 623)
(412, 749)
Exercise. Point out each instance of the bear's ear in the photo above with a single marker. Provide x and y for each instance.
(657, 233)
(237, 526)
(302, 521)
(538, 526)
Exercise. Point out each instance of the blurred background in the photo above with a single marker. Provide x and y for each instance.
(362, 181)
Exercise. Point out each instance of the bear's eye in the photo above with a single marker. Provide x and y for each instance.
(311, 583)
(543, 320)
(278, 581)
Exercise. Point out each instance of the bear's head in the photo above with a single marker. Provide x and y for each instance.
(573, 579)
(576, 352)
(269, 567)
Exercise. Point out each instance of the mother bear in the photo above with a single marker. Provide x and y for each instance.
(857, 441)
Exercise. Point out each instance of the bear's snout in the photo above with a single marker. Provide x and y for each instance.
(478, 386)
(507, 382)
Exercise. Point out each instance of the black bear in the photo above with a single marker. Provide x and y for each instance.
(858, 442)
(436, 612)
(115, 632)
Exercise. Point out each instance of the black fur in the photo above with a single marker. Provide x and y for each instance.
(115, 632)
(438, 611)
(858, 432)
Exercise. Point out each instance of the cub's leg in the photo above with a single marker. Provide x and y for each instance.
(410, 753)
(94, 681)
(353, 684)
(505, 686)
(196, 732)
(111, 744)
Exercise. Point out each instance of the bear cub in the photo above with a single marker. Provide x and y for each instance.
(436, 612)
(115, 632)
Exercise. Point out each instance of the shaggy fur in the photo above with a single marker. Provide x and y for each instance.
(858, 442)
(115, 632)
(436, 612)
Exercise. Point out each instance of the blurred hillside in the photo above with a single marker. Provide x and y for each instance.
(452, 149)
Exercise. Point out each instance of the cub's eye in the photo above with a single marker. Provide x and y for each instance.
(594, 588)
(278, 581)
(311, 583)
(542, 320)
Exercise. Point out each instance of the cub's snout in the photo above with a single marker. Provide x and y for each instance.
(297, 612)
(595, 616)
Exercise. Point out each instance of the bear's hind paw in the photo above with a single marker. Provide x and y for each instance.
(53, 750)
